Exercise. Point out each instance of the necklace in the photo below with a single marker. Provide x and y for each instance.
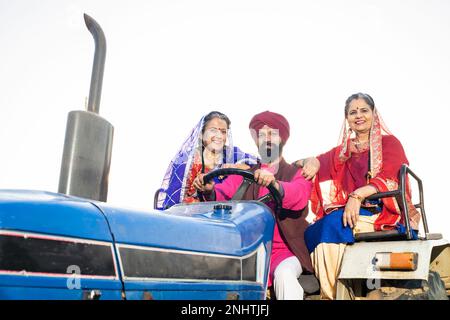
(212, 159)
(360, 146)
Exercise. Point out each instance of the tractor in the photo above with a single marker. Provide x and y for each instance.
(74, 245)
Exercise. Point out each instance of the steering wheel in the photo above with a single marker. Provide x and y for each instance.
(249, 178)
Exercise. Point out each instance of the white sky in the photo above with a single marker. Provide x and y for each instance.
(169, 62)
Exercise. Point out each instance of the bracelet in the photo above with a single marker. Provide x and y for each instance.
(356, 196)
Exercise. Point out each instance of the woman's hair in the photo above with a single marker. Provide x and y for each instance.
(368, 99)
(215, 114)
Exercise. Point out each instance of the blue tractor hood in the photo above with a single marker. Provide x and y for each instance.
(194, 227)
(193, 250)
(204, 250)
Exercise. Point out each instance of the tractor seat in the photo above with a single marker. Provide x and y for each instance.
(386, 235)
(392, 235)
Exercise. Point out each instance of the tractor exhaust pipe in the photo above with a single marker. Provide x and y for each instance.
(95, 92)
(88, 143)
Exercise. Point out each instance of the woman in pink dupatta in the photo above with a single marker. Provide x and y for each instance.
(367, 161)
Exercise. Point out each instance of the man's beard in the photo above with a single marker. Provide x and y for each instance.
(269, 152)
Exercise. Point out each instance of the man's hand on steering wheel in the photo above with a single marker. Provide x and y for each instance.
(265, 178)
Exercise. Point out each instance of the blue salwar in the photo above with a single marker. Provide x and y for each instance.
(330, 229)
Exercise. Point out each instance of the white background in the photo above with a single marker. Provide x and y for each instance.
(170, 62)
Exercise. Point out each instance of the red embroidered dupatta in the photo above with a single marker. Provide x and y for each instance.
(347, 170)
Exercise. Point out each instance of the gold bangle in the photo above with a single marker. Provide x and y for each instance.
(354, 195)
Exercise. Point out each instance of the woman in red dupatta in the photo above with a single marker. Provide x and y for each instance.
(367, 161)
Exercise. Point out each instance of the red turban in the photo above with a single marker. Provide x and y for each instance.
(272, 120)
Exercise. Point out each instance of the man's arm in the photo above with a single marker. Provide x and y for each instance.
(296, 192)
